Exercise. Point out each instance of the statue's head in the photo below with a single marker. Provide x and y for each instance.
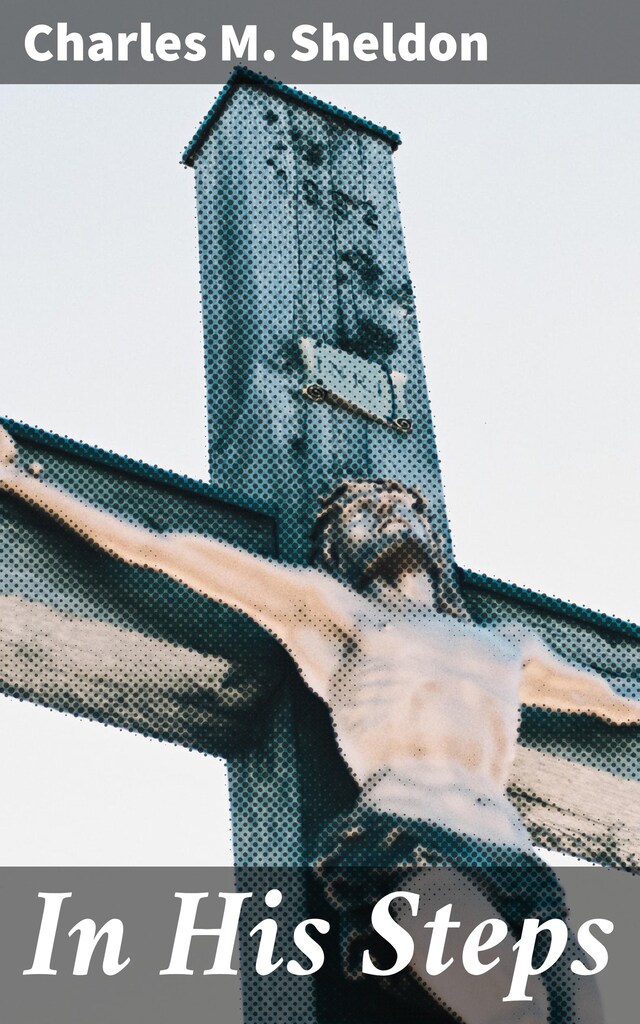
(381, 530)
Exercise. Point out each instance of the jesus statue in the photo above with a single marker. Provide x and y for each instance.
(425, 706)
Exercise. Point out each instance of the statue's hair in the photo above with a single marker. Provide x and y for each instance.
(328, 548)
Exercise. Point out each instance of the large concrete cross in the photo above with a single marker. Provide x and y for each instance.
(314, 374)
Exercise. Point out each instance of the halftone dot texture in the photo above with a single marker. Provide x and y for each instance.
(87, 634)
(300, 236)
(414, 856)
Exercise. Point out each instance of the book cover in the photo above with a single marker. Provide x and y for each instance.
(297, 609)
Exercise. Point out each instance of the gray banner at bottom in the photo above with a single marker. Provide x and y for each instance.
(163, 945)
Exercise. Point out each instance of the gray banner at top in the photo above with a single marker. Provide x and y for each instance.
(448, 41)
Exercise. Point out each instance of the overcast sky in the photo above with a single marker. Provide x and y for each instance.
(522, 221)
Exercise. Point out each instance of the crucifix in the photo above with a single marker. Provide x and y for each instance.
(314, 376)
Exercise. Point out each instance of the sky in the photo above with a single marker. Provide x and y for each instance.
(521, 217)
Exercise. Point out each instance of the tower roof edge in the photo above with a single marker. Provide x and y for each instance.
(243, 75)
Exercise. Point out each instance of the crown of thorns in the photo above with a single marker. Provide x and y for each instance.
(348, 490)
(333, 504)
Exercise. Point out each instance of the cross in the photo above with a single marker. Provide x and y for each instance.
(314, 374)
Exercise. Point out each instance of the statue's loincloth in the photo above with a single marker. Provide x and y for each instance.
(366, 854)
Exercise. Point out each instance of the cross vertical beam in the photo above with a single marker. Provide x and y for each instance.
(300, 238)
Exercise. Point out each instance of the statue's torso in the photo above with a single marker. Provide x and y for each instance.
(426, 711)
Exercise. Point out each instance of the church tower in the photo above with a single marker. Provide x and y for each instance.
(313, 359)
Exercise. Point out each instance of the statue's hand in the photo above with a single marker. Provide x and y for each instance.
(11, 474)
(8, 450)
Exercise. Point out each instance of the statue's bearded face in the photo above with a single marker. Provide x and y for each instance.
(382, 530)
(384, 535)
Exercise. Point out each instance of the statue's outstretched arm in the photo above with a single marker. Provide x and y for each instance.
(285, 600)
(114, 674)
(549, 682)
